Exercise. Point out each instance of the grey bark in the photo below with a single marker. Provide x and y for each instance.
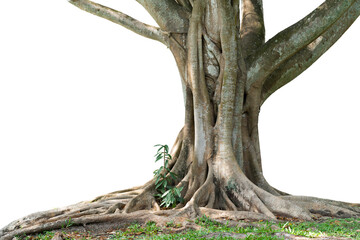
(227, 71)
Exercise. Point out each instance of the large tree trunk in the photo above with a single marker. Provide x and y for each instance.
(217, 153)
(227, 72)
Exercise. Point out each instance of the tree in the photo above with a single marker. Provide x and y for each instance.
(228, 72)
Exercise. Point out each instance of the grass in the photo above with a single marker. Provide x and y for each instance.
(333, 227)
(211, 229)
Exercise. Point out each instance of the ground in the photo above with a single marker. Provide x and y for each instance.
(207, 228)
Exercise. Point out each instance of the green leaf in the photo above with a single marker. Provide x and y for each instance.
(160, 148)
(157, 172)
(177, 192)
(160, 169)
(169, 200)
(161, 191)
(158, 195)
(172, 198)
(166, 148)
(165, 193)
(158, 185)
(169, 156)
(173, 175)
(158, 158)
(157, 179)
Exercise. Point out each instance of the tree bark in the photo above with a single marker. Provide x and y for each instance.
(227, 72)
(222, 166)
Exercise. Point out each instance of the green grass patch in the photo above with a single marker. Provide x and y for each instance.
(211, 229)
(347, 227)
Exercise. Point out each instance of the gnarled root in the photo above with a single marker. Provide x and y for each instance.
(81, 213)
(236, 199)
(326, 207)
(221, 192)
(144, 201)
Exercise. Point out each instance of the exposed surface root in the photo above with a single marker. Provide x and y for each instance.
(62, 217)
(222, 193)
(282, 207)
(122, 194)
(143, 201)
(246, 196)
(120, 220)
(263, 184)
(351, 206)
(109, 210)
(233, 215)
(326, 207)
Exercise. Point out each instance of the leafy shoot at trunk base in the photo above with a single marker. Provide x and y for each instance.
(165, 191)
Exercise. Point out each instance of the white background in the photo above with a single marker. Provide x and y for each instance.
(83, 101)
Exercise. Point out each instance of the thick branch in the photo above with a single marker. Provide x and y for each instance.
(288, 42)
(122, 19)
(252, 29)
(309, 54)
(169, 15)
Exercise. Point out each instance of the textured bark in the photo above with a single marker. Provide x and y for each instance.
(122, 19)
(227, 72)
(306, 56)
(291, 40)
(252, 27)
